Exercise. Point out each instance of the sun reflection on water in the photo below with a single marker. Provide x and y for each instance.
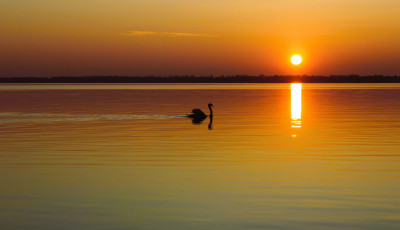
(296, 105)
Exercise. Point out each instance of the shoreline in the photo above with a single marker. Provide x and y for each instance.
(206, 79)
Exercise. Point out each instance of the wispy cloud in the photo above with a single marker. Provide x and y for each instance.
(189, 35)
(169, 34)
(139, 33)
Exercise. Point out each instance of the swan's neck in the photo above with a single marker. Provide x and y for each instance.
(211, 112)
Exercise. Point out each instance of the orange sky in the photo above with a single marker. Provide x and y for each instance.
(121, 37)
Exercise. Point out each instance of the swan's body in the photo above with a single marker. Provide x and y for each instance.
(197, 113)
(200, 115)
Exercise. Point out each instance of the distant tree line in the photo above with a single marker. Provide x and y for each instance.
(207, 79)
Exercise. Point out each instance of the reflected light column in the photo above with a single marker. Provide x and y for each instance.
(296, 105)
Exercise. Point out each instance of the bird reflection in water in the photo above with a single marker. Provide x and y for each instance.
(198, 116)
(210, 124)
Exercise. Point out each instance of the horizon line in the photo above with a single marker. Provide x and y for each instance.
(206, 76)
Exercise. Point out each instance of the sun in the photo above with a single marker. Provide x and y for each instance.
(296, 59)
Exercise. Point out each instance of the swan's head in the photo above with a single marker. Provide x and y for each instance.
(209, 105)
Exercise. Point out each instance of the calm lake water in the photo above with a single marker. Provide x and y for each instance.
(276, 156)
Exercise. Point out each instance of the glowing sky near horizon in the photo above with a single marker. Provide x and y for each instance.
(154, 37)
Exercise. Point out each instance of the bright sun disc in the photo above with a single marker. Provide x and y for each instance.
(296, 59)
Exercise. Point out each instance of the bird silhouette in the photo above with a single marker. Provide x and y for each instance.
(198, 115)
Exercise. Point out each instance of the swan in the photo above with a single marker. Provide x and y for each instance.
(200, 115)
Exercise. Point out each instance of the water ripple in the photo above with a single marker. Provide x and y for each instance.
(44, 117)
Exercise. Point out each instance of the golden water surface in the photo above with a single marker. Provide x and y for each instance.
(276, 156)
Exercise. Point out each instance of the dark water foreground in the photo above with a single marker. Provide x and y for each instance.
(277, 156)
